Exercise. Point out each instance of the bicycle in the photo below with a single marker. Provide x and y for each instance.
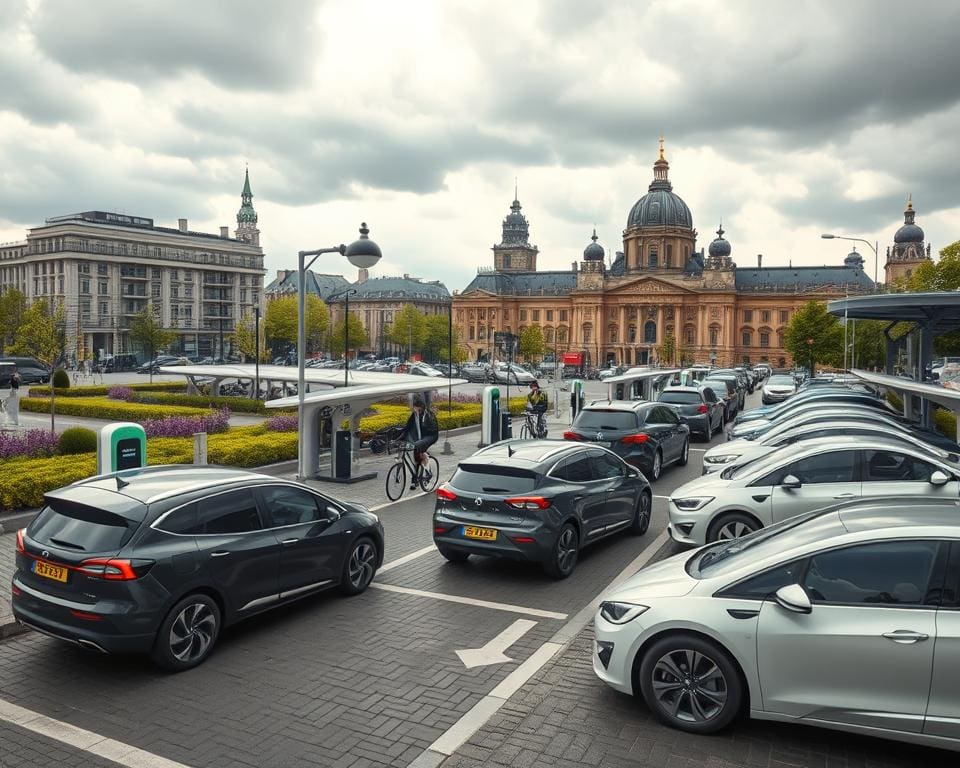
(404, 466)
(531, 426)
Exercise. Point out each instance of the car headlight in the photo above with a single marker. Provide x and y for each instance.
(621, 613)
(692, 503)
(724, 459)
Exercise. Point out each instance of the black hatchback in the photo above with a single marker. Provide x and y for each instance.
(158, 560)
(540, 501)
(648, 435)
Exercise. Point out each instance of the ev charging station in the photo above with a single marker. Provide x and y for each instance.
(122, 445)
(491, 419)
(576, 398)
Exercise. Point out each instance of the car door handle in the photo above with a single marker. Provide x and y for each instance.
(845, 496)
(219, 553)
(285, 542)
(905, 636)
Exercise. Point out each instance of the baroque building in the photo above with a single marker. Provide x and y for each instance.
(908, 249)
(658, 292)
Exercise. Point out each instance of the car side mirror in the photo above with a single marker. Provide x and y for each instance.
(793, 598)
(790, 481)
(333, 514)
(939, 478)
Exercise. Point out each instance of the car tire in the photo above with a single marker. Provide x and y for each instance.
(708, 433)
(359, 567)
(691, 684)
(188, 633)
(453, 555)
(731, 526)
(656, 468)
(641, 513)
(563, 554)
(684, 453)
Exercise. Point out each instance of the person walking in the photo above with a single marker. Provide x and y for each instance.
(13, 399)
(421, 430)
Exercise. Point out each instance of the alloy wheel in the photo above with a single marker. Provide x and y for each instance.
(362, 565)
(566, 550)
(192, 632)
(689, 686)
(734, 530)
(657, 466)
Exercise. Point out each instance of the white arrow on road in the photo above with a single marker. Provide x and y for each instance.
(493, 652)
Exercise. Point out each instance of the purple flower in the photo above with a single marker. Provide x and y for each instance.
(186, 426)
(120, 393)
(33, 443)
(283, 423)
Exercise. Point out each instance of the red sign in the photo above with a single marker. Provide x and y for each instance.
(572, 358)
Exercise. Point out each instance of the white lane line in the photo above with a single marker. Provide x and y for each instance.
(398, 501)
(510, 608)
(406, 559)
(660, 497)
(78, 738)
(475, 718)
(698, 450)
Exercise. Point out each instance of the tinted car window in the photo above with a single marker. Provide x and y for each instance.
(289, 506)
(662, 415)
(891, 466)
(832, 467)
(605, 419)
(681, 398)
(182, 521)
(575, 469)
(80, 528)
(720, 390)
(762, 585)
(232, 512)
(607, 466)
(885, 573)
(482, 478)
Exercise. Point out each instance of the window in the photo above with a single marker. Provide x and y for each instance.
(714, 336)
(155, 290)
(668, 261)
(762, 585)
(612, 334)
(175, 292)
(652, 260)
(632, 334)
(886, 466)
(832, 467)
(884, 573)
(188, 291)
(472, 334)
(104, 309)
(290, 506)
(689, 334)
(765, 316)
(549, 315)
(182, 521)
(483, 478)
(523, 314)
(561, 334)
(662, 415)
(747, 338)
(650, 332)
(536, 315)
(83, 268)
(102, 288)
(156, 273)
(233, 512)
(84, 286)
(563, 315)
(764, 339)
(784, 316)
(102, 269)
(506, 261)
(587, 333)
(748, 315)
(173, 274)
(575, 469)
(606, 466)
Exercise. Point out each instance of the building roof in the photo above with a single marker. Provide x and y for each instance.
(801, 279)
(110, 219)
(660, 207)
(316, 283)
(524, 283)
(594, 251)
(939, 310)
(400, 288)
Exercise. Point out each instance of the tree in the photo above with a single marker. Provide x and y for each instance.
(409, 329)
(814, 336)
(245, 341)
(944, 275)
(316, 321)
(531, 344)
(280, 322)
(667, 350)
(356, 335)
(152, 337)
(870, 345)
(41, 335)
(13, 304)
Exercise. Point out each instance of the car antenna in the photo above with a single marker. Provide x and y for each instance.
(510, 450)
(121, 483)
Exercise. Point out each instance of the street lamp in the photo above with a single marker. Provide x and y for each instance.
(362, 253)
(872, 246)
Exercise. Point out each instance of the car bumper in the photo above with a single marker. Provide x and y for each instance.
(687, 527)
(614, 648)
(698, 423)
(537, 550)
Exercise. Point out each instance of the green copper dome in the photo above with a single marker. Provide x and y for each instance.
(246, 212)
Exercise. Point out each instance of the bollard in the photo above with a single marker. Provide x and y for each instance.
(200, 448)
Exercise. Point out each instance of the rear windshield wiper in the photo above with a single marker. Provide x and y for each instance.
(487, 489)
(69, 545)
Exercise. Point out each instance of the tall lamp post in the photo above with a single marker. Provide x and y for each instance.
(362, 253)
(447, 448)
(872, 246)
(347, 293)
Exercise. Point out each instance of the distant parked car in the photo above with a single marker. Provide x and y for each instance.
(474, 373)
(777, 389)
(31, 370)
(511, 373)
(698, 407)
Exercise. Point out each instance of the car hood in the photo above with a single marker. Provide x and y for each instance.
(748, 452)
(705, 485)
(668, 578)
(750, 427)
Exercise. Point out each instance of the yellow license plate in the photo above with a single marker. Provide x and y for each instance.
(55, 572)
(484, 534)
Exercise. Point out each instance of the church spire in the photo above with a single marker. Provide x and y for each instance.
(247, 217)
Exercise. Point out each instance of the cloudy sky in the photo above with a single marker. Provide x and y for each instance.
(784, 118)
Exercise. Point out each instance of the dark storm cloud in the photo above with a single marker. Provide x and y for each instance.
(240, 44)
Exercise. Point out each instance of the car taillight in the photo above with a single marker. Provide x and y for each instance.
(446, 494)
(635, 439)
(20, 548)
(528, 502)
(15, 590)
(440, 529)
(571, 436)
(524, 540)
(86, 616)
(113, 569)
(702, 409)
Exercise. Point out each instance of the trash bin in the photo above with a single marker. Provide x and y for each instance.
(342, 464)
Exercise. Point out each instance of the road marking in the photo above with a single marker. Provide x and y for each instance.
(471, 601)
(117, 751)
(698, 450)
(661, 497)
(406, 559)
(494, 651)
(398, 501)
(475, 718)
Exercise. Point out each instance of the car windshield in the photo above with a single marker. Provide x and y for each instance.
(605, 419)
(782, 380)
(681, 398)
(723, 556)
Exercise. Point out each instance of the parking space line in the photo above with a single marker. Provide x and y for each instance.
(398, 501)
(406, 559)
(510, 608)
(660, 497)
(79, 738)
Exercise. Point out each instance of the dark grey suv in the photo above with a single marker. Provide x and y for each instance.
(158, 560)
(538, 500)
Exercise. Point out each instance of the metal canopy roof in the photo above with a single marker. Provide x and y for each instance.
(359, 396)
(947, 398)
(288, 373)
(939, 311)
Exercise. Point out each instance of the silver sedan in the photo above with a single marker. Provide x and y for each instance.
(844, 619)
(802, 477)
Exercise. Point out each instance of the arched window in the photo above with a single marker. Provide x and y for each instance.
(668, 259)
(714, 335)
(689, 335)
(650, 332)
(587, 333)
(548, 335)
(612, 334)
(652, 260)
(632, 334)
(562, 334)
(747, 337)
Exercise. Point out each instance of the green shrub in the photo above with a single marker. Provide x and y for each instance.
(104, 408)
(77, 440)
(61, 379)
(98, 390)
(23, 483)
(945, 423)
(235, 404)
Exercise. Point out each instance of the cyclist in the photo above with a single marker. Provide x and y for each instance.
(537, 404)
(422, 431)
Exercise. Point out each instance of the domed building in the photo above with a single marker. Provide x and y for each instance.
(908, 249)
(660, 299)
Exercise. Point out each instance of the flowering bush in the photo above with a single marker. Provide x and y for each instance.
(105, 408)
(285, 423)
(33, 443)
(120, 393)
(186, 426)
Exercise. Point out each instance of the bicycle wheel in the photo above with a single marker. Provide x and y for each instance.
(396, 481)
(524, 432)
(429, 481)
(378, 445)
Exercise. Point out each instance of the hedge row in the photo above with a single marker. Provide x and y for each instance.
(104, 408)
(100, 390)
(235, 404)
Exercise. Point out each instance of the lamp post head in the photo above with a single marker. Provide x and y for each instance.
(363, 253)
(828, 237)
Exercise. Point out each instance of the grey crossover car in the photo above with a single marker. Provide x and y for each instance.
(844, 618)
(159, 560)
(540, 501)
(699, 408)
